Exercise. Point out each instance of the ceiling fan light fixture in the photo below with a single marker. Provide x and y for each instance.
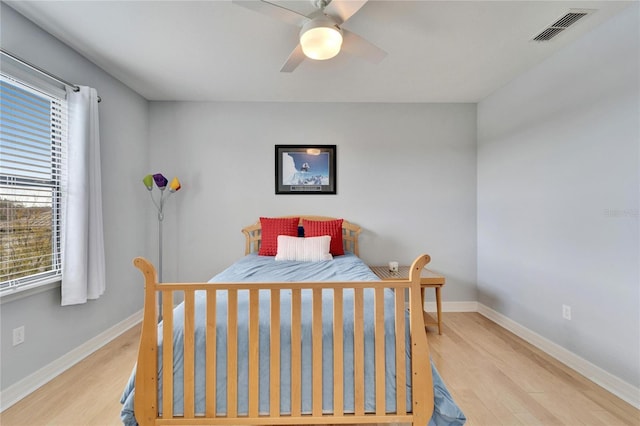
(321, 38)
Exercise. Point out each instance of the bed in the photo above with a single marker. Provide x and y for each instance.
(303, 342)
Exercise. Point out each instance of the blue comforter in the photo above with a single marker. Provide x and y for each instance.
(254, 268)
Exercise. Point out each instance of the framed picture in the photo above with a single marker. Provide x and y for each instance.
(305, 169)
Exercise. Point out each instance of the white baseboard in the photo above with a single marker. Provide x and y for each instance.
(24, 387)
(608, 381)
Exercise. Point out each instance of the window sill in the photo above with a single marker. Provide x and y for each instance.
(11, 295)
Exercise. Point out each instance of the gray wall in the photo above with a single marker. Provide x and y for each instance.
(406, 173)
(51, 330)
(558, 198)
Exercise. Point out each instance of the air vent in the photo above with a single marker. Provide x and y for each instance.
(570, 18)
(548, 34)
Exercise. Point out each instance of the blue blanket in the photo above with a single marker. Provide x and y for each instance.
(253, 268)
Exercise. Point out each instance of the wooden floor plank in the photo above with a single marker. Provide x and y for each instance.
(494, 376)
(87, 394)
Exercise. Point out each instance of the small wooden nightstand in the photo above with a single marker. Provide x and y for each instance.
(428, 279)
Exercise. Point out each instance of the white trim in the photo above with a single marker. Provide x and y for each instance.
(608, 381)
(24, 387)
(16, 293)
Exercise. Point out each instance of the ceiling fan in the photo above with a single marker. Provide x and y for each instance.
(321, 33)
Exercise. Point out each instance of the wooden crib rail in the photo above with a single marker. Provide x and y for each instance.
(146, 401)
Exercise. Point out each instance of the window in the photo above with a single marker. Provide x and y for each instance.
(33, 131)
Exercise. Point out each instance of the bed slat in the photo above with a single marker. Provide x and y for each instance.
(296, 359)
(232, 354)
(167, 355)
(274, 346)
(338, 352)
(210, 364)
(254, 347)
(189, 360)
(358, 351)
(379, 351)
(316, 345)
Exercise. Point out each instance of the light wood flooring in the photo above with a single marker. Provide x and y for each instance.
(494, 376)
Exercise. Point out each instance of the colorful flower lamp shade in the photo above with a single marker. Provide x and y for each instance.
(161, 183)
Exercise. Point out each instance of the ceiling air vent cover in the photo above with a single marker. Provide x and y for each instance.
(570, 18)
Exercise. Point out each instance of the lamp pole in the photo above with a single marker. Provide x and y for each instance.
(160, 218)
(161, 182)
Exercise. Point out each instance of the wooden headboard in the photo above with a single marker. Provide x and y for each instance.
(350, 233)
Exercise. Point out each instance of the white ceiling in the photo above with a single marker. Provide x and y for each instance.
(438, 51)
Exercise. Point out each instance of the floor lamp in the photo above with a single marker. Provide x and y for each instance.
(161, 182)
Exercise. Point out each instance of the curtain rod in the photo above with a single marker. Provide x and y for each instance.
(41, 71)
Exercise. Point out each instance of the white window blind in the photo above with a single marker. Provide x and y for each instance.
(33, 132)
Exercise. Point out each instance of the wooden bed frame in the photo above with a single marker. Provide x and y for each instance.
(146, 401)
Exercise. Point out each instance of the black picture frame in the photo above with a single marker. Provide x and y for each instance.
(305, 169)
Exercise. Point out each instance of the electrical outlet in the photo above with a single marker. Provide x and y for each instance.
(566, 312)
(18, 335)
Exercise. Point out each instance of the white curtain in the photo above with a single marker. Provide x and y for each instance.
(83, 264)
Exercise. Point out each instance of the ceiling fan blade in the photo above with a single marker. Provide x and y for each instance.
(273, 10)
(295, 58)
(356, 45)
(343, 9)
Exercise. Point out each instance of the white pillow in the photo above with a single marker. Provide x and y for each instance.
(311, 249)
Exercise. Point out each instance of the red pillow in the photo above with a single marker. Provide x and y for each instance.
(271, 228)
(333, 228)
